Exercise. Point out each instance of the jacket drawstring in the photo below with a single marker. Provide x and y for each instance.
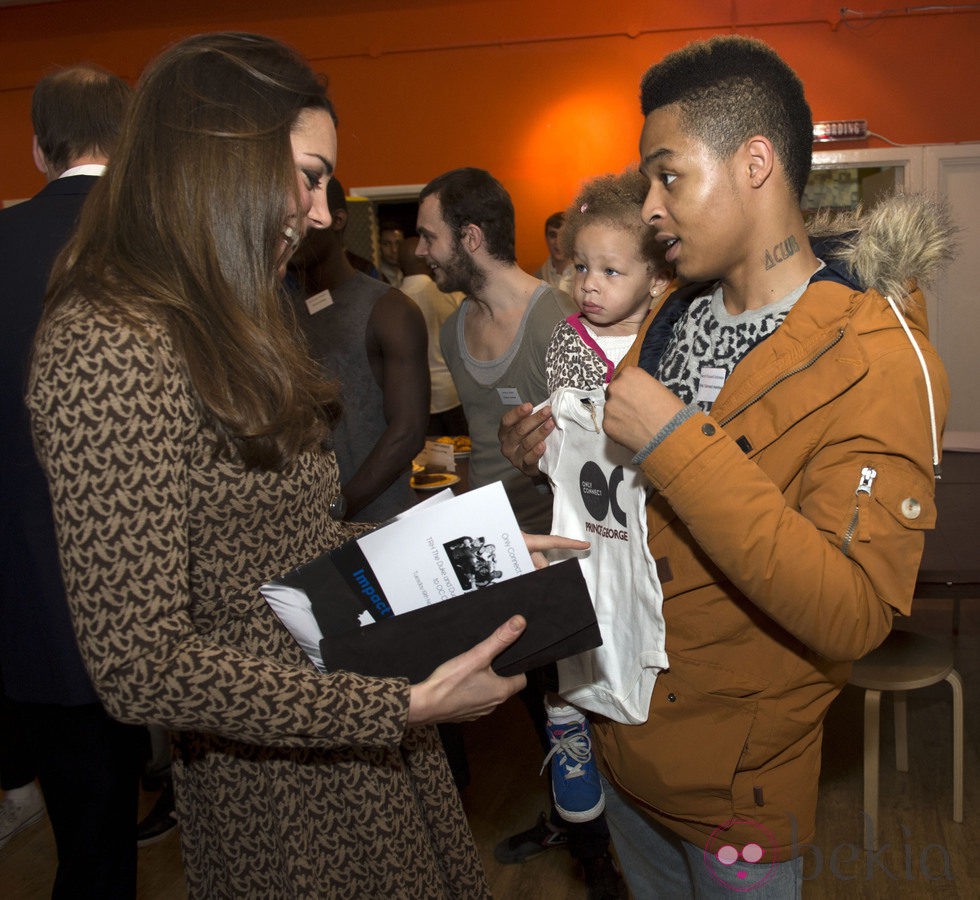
(936, 469)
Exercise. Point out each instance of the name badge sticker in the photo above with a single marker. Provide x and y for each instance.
(509, 396)
(711, 382)
(318, 301)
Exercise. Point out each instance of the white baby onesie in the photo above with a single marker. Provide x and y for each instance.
(600, 496)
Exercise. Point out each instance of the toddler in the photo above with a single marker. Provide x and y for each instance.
(619, 270)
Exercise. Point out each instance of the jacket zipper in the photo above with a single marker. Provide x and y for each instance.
(782, 378)
(863, 494)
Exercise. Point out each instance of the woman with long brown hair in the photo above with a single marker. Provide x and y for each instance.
(180, 421)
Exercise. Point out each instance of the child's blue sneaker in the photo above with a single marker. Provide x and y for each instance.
(575, 782)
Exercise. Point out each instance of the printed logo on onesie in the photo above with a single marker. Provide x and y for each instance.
(740, 868)
(599, 495)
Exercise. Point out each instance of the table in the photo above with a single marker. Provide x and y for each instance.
(461, 486)
(950, 567)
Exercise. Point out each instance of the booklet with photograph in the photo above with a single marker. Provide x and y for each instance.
(443, 551)
(396, 601)
(439, 549)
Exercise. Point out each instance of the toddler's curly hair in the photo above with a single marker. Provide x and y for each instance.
(617, 201)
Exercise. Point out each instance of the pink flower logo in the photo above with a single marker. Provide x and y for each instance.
(740, 867)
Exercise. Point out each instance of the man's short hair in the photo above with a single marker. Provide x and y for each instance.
(730, 88)
(78, 111)
(474, 197)
(390, 225)
(555, 220)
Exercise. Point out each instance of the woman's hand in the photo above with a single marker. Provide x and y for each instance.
(537, 544)
(465, 687)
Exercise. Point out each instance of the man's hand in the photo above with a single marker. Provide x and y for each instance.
(465, 687)
(637, 407)
(521, 435)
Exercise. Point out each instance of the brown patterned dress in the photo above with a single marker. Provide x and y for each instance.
(290, 783)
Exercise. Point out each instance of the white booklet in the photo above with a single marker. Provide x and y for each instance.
(439, 549)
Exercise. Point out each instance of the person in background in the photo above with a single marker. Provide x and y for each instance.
(495, 346)
(446, 415)
(23, 804)
(180, 423)
(390, 240)
(557, 268)
(86, 762)
(786, 406)
(370, 339)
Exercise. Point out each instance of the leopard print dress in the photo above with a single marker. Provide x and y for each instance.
(290, 783)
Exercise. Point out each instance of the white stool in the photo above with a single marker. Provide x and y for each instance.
(904, 662)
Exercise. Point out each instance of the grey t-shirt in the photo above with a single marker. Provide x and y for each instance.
(487, 389)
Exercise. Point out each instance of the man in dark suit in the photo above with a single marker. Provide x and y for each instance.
(87, 764)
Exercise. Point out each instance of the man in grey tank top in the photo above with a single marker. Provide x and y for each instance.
(495, 346)
(495, 343)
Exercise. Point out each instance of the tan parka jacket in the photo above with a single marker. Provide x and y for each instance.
(787, 526)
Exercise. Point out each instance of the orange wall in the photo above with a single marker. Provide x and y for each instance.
(542, 94)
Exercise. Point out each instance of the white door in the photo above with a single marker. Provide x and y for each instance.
(953, 170)
(844, 178)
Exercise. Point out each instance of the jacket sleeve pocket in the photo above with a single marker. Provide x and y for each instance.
(890, 524)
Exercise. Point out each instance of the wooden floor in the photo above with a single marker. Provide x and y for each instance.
(923, 852)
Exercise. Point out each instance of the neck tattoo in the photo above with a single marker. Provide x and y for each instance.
(781, 252)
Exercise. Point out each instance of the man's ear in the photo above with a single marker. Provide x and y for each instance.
(471, 237)
(40, 160)
(758, 160)
(339, 218)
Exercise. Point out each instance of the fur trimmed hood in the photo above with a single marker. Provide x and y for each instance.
(902, 242)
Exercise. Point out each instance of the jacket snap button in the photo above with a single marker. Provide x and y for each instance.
(708, 429)
(911, 508)
(672, 697)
